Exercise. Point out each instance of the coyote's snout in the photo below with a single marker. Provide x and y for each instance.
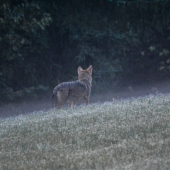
(75, 90)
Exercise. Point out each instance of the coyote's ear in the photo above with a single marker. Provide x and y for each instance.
(79, 70)
(90, 69)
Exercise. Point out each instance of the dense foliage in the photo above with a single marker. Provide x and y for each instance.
(43, 42)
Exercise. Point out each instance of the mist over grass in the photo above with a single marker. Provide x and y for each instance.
(127, 134)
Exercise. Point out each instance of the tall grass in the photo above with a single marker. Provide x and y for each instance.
(127, 134)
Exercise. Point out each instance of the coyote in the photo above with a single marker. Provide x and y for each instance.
(75, 90)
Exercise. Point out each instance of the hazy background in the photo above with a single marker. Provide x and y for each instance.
(43, 42)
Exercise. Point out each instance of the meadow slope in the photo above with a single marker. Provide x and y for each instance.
(124, 134)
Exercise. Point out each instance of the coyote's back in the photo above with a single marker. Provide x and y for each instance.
(75, 90)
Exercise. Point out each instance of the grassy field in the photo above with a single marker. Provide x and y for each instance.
(127, 134)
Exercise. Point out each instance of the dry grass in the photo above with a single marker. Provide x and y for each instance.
(129, 134)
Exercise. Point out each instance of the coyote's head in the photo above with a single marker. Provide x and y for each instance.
(85, 74)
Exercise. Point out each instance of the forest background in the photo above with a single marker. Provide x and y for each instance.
(42, 42)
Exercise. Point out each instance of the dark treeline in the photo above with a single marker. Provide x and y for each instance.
(42, 43)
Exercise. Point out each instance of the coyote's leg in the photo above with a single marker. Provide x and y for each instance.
(86, 100)
(72, 105)
(74, 102)
(61, 98)
(58, 104)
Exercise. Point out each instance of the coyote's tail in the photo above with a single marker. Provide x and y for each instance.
(53, 97)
